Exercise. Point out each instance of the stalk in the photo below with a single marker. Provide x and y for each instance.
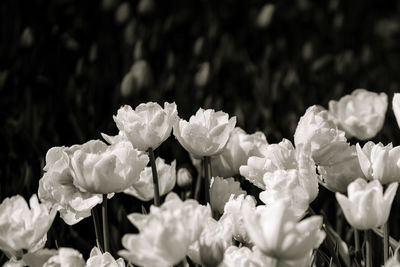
(105, 224)
(198, 182)
(97, 230)
(207, 178)
(386, 241)
(368, 245)
(157, 200)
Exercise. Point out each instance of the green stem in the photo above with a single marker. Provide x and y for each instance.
(198, 183)
(357, 242)
(157, 201)
(386, 241)
(207, 178)
(368, 248)
(96, 224)
(105, 224)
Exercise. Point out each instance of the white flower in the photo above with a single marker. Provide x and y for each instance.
(143, 189)
(165, 233)
(275, 231)
(396, 107)
(148, 125)
(56, 187)
(233, 215)
(209, 249)
(343, 168)
(98, 168)
(98, 259)
(206, 133)
(238, 149)
(280, 156)
(379, 162)
(221, 190)
(66, 257)
(23, 228)
(360, 114)
(317, 129)
(366, 206)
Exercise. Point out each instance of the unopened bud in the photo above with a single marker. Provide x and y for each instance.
(184, 178)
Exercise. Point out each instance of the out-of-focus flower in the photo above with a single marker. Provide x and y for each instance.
(394, 261)
(265, 15)
(233, 214)
(365, 206)
(206, 133)
(317, 129)
(396, 107)
(275, 231)
(360, 114)
(238, 149)
(143, 189)
(66, 257)
(56, 187)
(98, 259)
(342, 170)
(245, 257)
(213, 241)
(98, 168)
(14, 263)
(379, 162)
(148, 125)
(38, 258)
(24, 228)
(183, 178)
(280, 156)
(165, 233)
(221, 190)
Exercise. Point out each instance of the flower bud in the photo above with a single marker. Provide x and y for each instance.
(184, 178)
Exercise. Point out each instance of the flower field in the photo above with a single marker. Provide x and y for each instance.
(139, 133)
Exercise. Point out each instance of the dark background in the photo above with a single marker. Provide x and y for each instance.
(67, 66)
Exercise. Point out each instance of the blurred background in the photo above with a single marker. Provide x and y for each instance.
(66, 67)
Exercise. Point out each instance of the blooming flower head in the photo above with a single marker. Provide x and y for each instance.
(209, 249)
(23, 228)
(56, 187)
(275, 231)
(365, 206)
(280, 156)
(143, 189)
(360, 114)
(238, 149)
(148, 125)
(343, 168)
(165, 233)
(379, 162)
(317, 129)
(98, 168)
(396, 107)
(98, 259)
(66, 257)
(221, 190)
(291, 186)
(245, 257)
(233, 214)
(206, 133)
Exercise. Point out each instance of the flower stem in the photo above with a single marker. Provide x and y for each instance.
(157, 201)
(96, 223)
(368, 248)
(357, 243)
(198, 182)
(207, 178)
(386, 241)
(105, 224)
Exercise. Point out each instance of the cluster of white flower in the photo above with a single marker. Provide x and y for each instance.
(232, 229)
